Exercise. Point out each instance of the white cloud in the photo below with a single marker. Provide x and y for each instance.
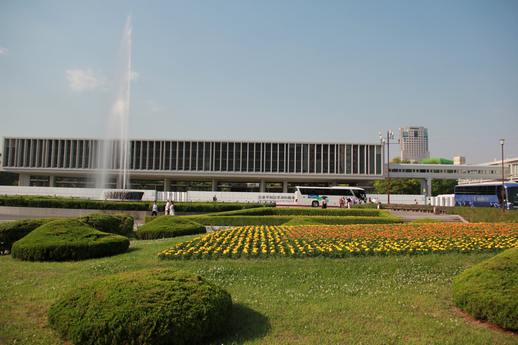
(82, 80)
(3, 50)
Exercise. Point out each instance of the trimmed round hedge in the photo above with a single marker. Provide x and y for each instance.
(67, 239)
(11, 232)
(120, 224)
(169, 226)
(489, 290)
(143, 307)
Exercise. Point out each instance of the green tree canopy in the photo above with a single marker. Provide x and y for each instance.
(443, 186)
(8, 179)
(398, 186)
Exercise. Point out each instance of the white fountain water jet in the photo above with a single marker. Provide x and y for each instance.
(113, 150)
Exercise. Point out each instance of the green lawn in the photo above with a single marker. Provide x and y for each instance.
(362, 300)
(485, 214)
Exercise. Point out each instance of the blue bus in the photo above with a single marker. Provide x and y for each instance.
(487, 195)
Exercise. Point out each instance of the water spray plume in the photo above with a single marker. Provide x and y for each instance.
(113, 150)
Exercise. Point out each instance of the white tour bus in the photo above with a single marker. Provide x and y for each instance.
(313, 196)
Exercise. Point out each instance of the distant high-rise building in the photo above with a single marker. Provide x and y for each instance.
(414, 143)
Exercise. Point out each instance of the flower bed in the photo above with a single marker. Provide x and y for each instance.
(347, 240)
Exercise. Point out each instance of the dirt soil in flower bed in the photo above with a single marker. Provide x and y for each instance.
(345, 241)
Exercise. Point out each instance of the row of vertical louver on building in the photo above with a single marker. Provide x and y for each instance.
(220, 156)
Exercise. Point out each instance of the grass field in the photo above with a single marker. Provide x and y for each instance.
(485, 214)
(359, 300)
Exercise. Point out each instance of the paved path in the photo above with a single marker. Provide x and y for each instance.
(409, 216)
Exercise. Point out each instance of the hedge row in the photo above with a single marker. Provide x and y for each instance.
(68, 239)
(242, 220)
(344, 220)
(290, 220)
(142, 307)
(489, 290)
(169, 226)
(207, 207)
(263, 211)
(74, 203)
(11, 232)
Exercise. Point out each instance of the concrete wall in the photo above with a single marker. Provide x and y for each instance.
(149, 195)
(399, 198)
(447, 200)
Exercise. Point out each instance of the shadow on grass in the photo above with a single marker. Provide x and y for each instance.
(245, 324)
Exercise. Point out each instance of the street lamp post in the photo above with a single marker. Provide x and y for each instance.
(390, 135)
(502, 141)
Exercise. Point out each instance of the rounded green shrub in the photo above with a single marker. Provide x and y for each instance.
(11, 232)
(143, 307)
(489, 290)
(169, 226)
(68, 239)
(120, 224)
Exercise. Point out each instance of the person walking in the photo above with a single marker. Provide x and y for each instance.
(324, 202)
(171, 209)
(167, 207)
(154, 209)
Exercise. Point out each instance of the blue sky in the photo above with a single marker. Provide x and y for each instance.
(273, 70)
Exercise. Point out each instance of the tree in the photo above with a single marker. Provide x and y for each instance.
(443, 186)
(398, 160)
(8, 179)
(398, 186)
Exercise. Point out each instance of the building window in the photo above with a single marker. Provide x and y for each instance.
(257, 156)
(305, 158)
(282, 157)
(298, 158)
(355, 159)
(325, 159)
(362, 159)
(275, 157)
(319, 159)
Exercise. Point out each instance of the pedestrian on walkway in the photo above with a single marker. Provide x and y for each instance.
(167, 207)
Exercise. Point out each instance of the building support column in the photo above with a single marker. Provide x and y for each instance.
(285, 186)
(52, 181)
(262, 186)
(214, 185)
(118, 182)
(24, 180)
(426, 187)
(167, 185)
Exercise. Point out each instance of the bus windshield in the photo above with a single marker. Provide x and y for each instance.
(360, 194)
(512, 195)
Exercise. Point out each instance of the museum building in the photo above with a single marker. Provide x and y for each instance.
(264, 166)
